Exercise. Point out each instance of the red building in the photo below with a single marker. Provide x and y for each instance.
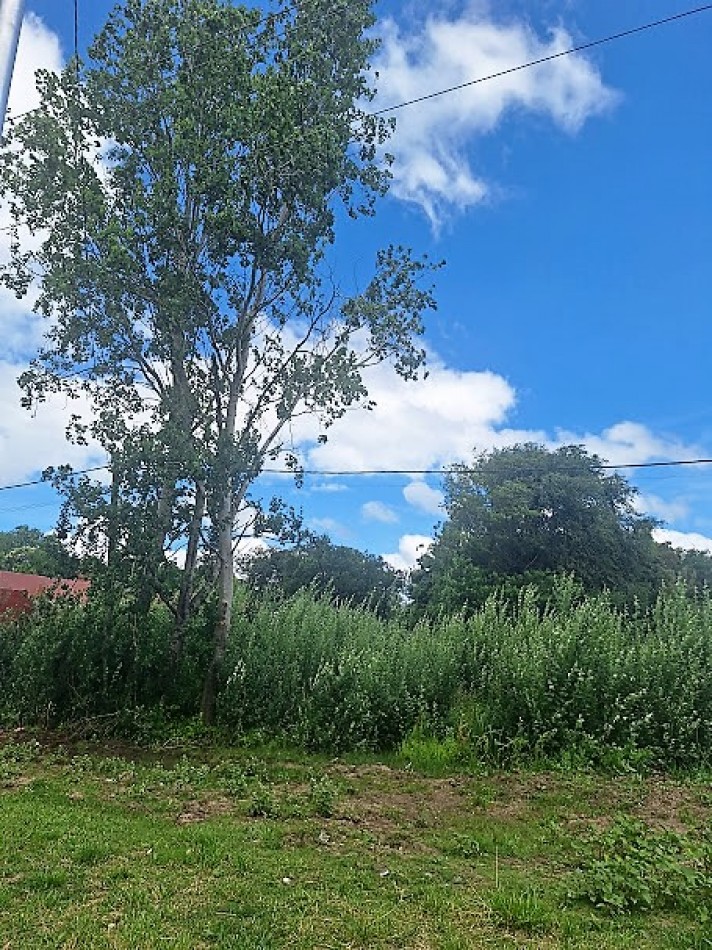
(17, 590)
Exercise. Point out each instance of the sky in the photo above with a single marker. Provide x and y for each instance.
(572, 204)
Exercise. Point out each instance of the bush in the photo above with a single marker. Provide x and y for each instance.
(334, 677)
(70, 659)
(589, 675)
(630, 867)
(577, 680)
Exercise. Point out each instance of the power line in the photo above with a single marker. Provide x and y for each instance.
(42, 481)
(547, 59)
(346, 473)
(472, 469)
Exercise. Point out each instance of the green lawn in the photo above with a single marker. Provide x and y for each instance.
(255, 849)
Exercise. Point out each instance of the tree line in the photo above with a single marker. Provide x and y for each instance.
(516, 517)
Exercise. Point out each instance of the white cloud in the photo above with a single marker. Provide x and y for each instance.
(687, 540)
(429, 423)
(629, 443)
(450, 415)
(432, 167)
(29, 442)
(329, 487)
(38, 48)
(674, 510)
(377, 511)
(421, 496)
(330, 526)
(411, 548)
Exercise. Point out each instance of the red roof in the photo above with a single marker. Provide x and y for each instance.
(17, 590)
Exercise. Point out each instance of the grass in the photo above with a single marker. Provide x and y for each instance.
(248, 848)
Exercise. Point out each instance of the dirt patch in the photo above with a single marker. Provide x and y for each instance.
(672, 806)
(513, 796)
(15, 782)
(401, 800)
(197, 811)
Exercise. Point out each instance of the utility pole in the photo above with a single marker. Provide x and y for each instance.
(10, 23)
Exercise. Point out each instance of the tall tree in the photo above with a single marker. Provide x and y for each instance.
(522, 514)
(185, 186)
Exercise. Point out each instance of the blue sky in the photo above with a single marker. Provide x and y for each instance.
(573, 206)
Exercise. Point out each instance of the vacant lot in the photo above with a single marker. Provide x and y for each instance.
(250, 848)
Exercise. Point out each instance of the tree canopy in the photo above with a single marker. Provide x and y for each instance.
(347, 574)
(524, 513)
(183, 186)
(31, 551)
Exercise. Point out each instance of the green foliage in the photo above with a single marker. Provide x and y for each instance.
(30, 551)
(69, 660)
(333, 677)
(323, 795)
(345, 574)
(522, 909)
(630, 867)
(262, 801)
(519, 515)
(434, 756)
(577, 682)
(587, 675)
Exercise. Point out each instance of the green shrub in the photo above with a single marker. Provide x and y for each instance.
(68, 660)
(334, 677)
(577, 681)
(586, 675)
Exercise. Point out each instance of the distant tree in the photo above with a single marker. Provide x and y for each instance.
(522, 514)
(346, 573)
(31, 551)
(693, 567)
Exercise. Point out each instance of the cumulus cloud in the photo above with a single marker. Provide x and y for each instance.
(429, 424)
(411, 547)
(38, 48)
(29, 442)
(687, 540)
(452, 414)
(629, 443)
(377, 511)
(673, 510)
(432, 166)
(421, 496)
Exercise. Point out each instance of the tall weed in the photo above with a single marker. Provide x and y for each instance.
(335, 677)
(578, 680)
(589, 675)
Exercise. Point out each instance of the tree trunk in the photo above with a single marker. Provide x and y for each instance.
(226, 586)
(185, 595)
(152, 556)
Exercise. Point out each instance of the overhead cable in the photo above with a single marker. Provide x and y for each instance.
(347, 473)
(546, 59)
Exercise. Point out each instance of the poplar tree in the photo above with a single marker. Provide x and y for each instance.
(183, 187)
